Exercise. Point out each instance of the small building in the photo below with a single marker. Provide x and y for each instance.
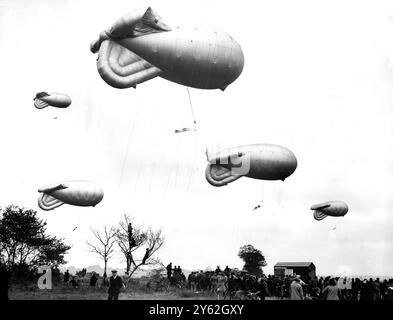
(306, 270)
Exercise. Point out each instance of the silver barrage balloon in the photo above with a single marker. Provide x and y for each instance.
(140, 46)
(257, 161)
(330, 208)
(77, 193)
(53, 99)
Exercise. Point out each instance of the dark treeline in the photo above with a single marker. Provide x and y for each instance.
(25, 245)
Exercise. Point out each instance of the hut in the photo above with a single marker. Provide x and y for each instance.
(306, 270)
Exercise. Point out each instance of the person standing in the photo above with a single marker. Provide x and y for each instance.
(263, 290)
(384, 289)
(341, 284)
(296, 290)
(115, 284)
(93, 280)
(285, 292)
(331, 291)
(66, 276)
(356, 286)
(169, 270)
(348, 287)
(377, 289)
(74, 282)
(364, 292)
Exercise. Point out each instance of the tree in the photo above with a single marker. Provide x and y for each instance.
(104, 248)
(253, 259)
(53, 254)
(24, 243)
(131, 239)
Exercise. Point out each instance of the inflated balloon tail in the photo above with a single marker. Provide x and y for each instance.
(39, 104)
(111, 62)
(47, 202)
(318, 215)
(219, 176)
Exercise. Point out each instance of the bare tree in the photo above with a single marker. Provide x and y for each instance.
(131, 239)
(104, 247)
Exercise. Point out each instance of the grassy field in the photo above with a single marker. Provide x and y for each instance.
(31, 292)
(69, 293)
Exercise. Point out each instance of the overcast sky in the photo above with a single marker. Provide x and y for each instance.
(318, 79)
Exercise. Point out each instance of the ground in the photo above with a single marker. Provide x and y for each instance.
(68, 293)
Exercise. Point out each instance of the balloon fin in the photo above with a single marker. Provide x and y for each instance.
(52, 188)
(320, 206)
(42, 94)
(318, 215)
(121, 68)
(219, 176)
(47, 202)
(215, 154)
(39, 104)
(150, 23)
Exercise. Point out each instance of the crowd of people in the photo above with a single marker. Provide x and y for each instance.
(239, 284)
(114, 282)
(175, 275)
(75, 280)
(229, 284)
(336, 288)
(328, 288)
(234, 284)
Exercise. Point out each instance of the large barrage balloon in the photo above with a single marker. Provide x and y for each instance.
(140, 46)
(77, 193)
(57, 100)
(258, 161)
(330, 208)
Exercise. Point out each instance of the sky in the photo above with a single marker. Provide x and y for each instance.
(317, 79)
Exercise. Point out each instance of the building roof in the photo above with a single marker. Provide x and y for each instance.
(293, 264)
